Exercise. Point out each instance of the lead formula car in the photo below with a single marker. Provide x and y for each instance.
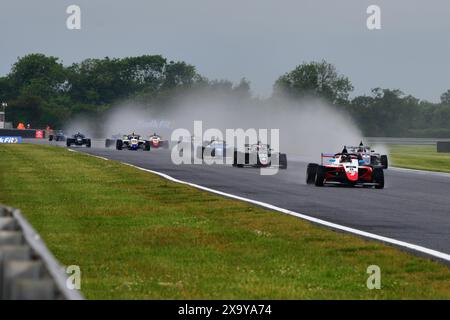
(344, 169)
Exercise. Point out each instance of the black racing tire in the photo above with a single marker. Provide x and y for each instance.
(378, 178)
(235, 161)
(374, 160)
(319, 181)
(119, 145)
(311, 171)
(384, 161)
(147, 146)
(88, 143)
(50, 137)
(283, 161)
(109, 143)
(69, 142)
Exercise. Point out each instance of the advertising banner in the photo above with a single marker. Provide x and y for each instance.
(10, 139)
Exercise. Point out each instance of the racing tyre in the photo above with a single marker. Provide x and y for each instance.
(69, 142)
(235, 161)
(283, 161)
(108, 143)
(384, 161)
(147, 146)
(320, 176)
(88, 143)
(50, 137)
(378, 178)
(311, 171)
(119, 145)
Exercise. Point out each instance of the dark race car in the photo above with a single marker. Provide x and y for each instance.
(78, 140)
(57, 136)
(259, 155)
(344, 169)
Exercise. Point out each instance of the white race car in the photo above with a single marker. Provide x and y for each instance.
(369, 156)
(259, 155)
(133, 142)
(344, 169)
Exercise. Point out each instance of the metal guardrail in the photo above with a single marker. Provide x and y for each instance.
(415, 141)
(28, 270)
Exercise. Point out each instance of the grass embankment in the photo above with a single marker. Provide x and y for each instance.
(420, 157)
(136, 235)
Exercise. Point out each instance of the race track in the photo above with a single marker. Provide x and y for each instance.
(414, 207)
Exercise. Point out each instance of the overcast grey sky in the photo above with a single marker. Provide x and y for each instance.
(256, 39)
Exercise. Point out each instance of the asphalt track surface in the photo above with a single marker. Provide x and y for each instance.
(413, 207)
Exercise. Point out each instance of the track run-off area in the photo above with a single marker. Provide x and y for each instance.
(413, 209)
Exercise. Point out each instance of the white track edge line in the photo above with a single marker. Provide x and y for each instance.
(431, 252)
(92, 155)
(428, 251)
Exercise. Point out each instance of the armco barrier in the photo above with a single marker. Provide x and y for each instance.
(28, 271)
(29, 134)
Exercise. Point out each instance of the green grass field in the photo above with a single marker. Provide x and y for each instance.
(136, 235)
(421, 157)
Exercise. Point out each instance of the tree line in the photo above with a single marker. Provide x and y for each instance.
(42, 91)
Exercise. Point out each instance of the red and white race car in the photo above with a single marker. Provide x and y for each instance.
(157, 142)
(345, 168)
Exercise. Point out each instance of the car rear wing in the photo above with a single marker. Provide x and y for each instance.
(328, 158)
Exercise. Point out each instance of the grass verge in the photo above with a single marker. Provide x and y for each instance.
(420, 157)
(136, 235)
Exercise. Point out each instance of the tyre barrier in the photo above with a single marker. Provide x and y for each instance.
(28, 271)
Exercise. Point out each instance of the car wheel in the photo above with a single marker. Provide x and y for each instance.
(311, 171)
(119, 145)
(384, 161)
(283, 161)
(320, 176)
(378, 178)
(235, 161)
